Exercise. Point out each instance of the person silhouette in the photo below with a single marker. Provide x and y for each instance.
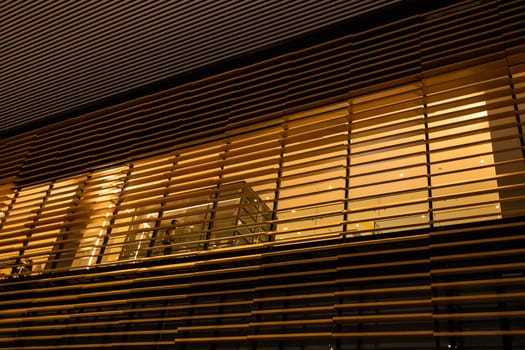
(169, 238)
(26, 267)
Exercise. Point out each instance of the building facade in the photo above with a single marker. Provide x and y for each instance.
(357, 189)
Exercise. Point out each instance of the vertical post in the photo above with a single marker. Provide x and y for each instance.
(114, 213)
(278, 182)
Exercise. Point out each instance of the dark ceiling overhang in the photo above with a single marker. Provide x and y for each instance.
(61, 59)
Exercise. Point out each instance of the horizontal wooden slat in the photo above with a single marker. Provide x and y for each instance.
(384, 298)
(364, 190)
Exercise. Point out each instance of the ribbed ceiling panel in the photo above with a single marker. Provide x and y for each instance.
(58, 56)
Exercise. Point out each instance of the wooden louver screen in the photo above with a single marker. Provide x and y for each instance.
(450, 287)
(400, 153)
(326, 144)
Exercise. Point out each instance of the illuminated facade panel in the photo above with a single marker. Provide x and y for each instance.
(361, 192)
(433, 153)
